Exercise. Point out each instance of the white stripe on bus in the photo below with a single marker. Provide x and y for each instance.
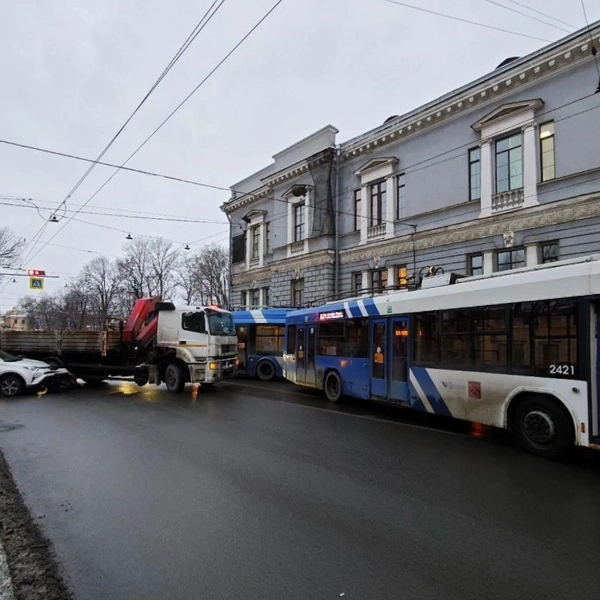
(421, 393)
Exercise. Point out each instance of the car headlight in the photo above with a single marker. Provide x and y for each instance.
(34, 369)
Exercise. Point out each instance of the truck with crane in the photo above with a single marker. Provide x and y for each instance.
(157, 343)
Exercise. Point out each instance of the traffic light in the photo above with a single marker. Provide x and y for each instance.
(35, 273)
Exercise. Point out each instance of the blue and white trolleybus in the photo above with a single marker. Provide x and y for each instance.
(516, 350)
(260, 341)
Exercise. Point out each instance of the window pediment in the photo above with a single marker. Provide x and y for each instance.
(254, 216)
(506, 111)
(377, 168)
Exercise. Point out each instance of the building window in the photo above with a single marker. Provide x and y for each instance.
(548, 166)
(255, 297)
(357, 209)
(267, 238)
(475, 174)
(377, 200)
(266, 298)
(356, 283)
(243, 298)
(298, 292)
(510, 259)
(255, 242)
(299, 221)
(378, 280)
(401, 189)
(549, 252)
(401, 276)
(509, 164)
(475, 264)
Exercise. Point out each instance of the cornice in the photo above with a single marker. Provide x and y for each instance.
(563, 211)
(276, 179)
(316, 259)
(491, 90)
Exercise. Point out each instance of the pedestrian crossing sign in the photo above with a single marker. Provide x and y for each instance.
(36, 283)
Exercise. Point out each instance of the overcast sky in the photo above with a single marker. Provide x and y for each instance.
(73, 71)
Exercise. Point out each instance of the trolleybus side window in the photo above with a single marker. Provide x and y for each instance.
(357, 338)
(331, 339)
(269, 339)
(544, 338)
(291, 339)
(426, 340)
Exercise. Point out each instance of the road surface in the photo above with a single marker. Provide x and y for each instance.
(255, 491)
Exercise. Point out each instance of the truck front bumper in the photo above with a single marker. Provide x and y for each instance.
(213, 370)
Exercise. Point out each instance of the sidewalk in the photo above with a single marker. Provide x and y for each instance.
(6, 587)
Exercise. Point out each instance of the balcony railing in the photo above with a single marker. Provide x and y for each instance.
(297, 247)
(376, 231)
(508, 200)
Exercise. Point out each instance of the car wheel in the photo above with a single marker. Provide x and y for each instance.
(174, 378)
(11, 385)
(265, 370)
(542, 427)
(333, 386)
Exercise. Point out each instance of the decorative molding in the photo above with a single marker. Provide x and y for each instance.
(564, 211)
(547, 63)
(307, 261)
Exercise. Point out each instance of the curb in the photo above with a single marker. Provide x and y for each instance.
(6, 586)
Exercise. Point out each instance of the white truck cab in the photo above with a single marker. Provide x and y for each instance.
(201, 342)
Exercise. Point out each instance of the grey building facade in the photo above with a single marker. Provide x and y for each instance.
(499, 174)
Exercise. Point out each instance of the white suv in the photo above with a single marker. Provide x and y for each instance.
(18, 373)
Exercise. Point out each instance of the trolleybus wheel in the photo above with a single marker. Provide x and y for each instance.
(265, 370)
(333, 386)
(543, 427)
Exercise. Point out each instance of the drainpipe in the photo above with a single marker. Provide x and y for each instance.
(230, 260)
(336, 256)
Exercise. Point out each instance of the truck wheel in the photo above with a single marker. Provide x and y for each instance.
(11, 385)
(265, 370)
(174, 378)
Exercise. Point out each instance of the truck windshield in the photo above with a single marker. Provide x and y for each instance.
(220, 323)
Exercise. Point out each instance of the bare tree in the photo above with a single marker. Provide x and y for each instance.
(187, 279)
(163, 261)
(148, 268)
(10, 247)
(102, 281)
(213, 263)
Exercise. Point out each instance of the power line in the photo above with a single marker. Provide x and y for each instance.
(477, 23)
(539, 12)
(107, 164)
(199, 27)
(528, 16)
(594, 51)
(118, 216)
(174, 111)
(206, 18)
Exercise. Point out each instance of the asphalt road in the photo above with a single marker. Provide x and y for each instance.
(254, 491)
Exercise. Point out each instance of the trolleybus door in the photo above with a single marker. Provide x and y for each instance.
(301, 354)
(311, 334)
(379, 358)
(398, 360)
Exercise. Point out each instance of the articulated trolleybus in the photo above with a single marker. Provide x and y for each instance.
(260, 341)
(517, 350)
